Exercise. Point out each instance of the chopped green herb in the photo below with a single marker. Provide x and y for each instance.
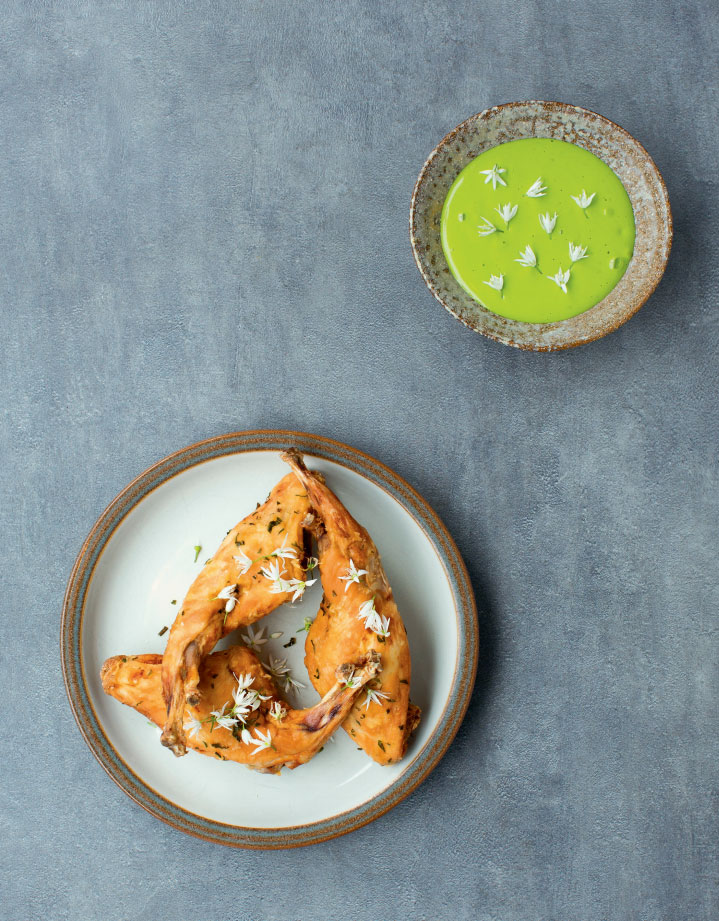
(293, 640)
(381, 744)
(197, 549)
(163, 631)
(174, 601)
(403, 681)
(274, 523)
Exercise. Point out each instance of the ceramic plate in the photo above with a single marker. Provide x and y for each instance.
(139, 557)
(612, 144)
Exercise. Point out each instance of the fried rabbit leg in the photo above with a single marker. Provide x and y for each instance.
(257, 567)
(259, 729)
(358, 614)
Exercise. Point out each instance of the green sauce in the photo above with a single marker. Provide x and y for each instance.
(597, 232)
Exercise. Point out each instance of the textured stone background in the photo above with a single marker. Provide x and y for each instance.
(203, 227)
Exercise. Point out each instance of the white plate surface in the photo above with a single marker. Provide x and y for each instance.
(148, 562)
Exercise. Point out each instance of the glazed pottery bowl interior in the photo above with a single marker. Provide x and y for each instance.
(618, 149)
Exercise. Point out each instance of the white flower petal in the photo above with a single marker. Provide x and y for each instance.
(493, 176)
(536, 190)
(496, 282)
(527, 258)
(548, 221)
(487, 228)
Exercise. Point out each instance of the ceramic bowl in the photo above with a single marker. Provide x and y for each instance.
(612, 144)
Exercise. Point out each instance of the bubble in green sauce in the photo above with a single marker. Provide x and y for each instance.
(478, 200)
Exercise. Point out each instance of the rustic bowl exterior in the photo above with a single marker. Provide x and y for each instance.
(612, 144)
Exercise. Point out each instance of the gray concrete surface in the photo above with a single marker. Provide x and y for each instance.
(203, 227)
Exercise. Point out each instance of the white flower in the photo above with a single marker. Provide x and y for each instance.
(548, 222)
(351, 682)
(312, 563)
(577, 252)
(245, 703)
(284, 552)
(243, 562)
(496, 282)
(493, 176)
(507, 212)
(263, 740)
(373, 620)
(374, 697)
(485, 229)
(243, 681)
(272, 572)
(584, 200)
(292, 683)
(246, 735)
(353, 574)
(222, 720)
(527, 258)
(253, 639)
(536, 189)
(561, 279)
(277, 711)
(229, 595)
(298, 586)
(368, 613)
(278, 668)
(193, 726)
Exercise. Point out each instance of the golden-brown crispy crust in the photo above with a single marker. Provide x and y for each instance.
(297, 737)
(204, 618)
(380, 727)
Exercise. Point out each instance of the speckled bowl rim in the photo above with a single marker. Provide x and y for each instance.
(544, 339)
(418, 767)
